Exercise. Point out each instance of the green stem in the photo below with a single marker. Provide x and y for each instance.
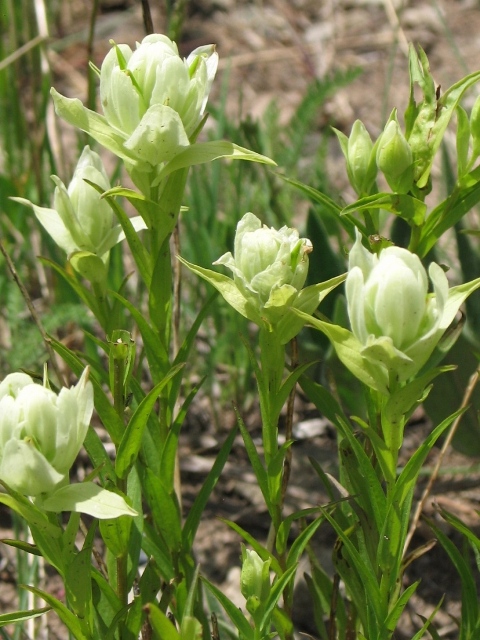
(272, 360)
(119, 355)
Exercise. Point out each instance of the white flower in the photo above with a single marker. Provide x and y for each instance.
(394, 318)
(81, 220)
(269, 270)
(267, 265)
(152, 100)
(41, 432)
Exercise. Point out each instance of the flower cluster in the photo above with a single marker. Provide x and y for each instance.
(152, 100)
(41, 432)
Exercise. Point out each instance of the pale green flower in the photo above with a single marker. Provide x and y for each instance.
(80, 220)
(394, 318)
(152, 100)
(269, 270)
(267, 262)
(41, 432)
(254, 579)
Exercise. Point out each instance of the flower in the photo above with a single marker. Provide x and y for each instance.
(254, 580)
(395, 157)
(396, 323)
(152, 100)
(80, 219)
(269, 270)
(269, 265)
(41, 432)
(394, 318)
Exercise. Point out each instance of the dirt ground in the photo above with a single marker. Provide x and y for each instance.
(272, 50)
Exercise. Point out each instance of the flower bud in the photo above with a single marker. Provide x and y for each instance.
(269, 266)
(361, 160)
(254, 579)
(395, 158)
(41, 432)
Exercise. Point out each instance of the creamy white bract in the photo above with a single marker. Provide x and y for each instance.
(269, 267)
(41, 432)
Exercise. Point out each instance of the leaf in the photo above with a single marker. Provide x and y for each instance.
(162, 627)
(137, 247)
(397, 610)
(78, 584)
(165, 509)
(470, 620)
(258, 468)
(132, 439)
(276, 592)
(363, 569)
(116, 534)
(87, 497)
(21, 616)
(464, 197)
(229, 291)
(75, 625)
(196, 511)
(236, 616)
(83, 293)
(73, 112)
(348, 349)
(256, 546)
(463, 140)
(202, 152)
(407, 207)
(302, 540)
(306, 301)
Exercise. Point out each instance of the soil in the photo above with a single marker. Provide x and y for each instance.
(272, 50)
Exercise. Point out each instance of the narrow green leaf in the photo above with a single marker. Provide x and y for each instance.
(470, 620)
(274, 596)
(407, 207)
(132, 439)
(162, 627)
(236, 616)
(78, 583)
(165, 510)
(195, 514)
(154, 547)
(463, 140)
(202, 152)
(21, 616)
(137, 247)
(74, 624)
(256, 546)
(399, 606)
(449, 212)
(27, 547)
(83, 293)
(169, 452)
(369, 493)
(363, 569)
(258, 468)
(302, 540)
